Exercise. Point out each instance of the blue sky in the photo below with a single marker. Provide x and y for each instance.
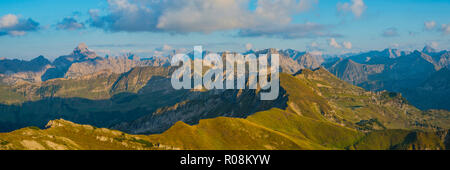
(29, 28)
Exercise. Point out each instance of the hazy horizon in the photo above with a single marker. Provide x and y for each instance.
(147, 28)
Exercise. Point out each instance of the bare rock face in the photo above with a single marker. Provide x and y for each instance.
(353, 72)
(62, 64)
(304, 59)
(309, 61)
(292, 61)
(24, 77)
(82, 62)
(444, 61)
(18, 71)
(82, 51)
(111, 64)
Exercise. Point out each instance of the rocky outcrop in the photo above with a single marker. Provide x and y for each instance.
(292, 61)
(25, 77)
(62, 64)
(355, 73)
(112, 64)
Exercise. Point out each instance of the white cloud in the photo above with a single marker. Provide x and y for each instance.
(270, 17)
(429, 25)
(70, 23)
(334, 43)
(314, 45)
(445, 29)
(17, 33)
(164, 50)
(204, 16)
(395, 45)
(357, 7)
(316, 53)
(14, 26)
(347, 45)
(307, 30)
(8, 20)
(390, 32)
(215, 15)
(434, 45)
(248, 46)
(166, 47)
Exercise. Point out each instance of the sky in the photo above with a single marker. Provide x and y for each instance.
(29, 28)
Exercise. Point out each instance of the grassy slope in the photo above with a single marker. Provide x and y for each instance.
(305, 123)
(94, 87)
(63, 135)
(315, 119)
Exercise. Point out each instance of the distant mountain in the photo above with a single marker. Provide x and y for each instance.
(316, 108)
(440, 58)
(393, 70)
(79, 63)
(112, 64)
(62, 64)
(355, 73)
(429, 50)
(8, 66)
(16, 71)
(434, 92)
(291, 61)
(83, 61)
(304, 59)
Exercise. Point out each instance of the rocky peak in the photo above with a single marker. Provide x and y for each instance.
(268, 51)
(310, 61)
(41, 60)
(83, 50)
(428, 49)
(392, 53)
(58, 123)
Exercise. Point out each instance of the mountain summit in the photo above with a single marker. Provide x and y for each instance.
(82, 47)
(82, 51)
(428, 49)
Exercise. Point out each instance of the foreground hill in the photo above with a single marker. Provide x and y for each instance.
(317, 95)
(273, 129)
(322, 112)
(111, 100)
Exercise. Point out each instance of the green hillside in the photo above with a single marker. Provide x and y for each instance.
(323, 112)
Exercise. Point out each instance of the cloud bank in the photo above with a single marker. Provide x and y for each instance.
(390, 32)
(357, 7)
(334, 43)
(69, 23)
(271, 18)
(346, 44)
(429, 25)
(13, 25)
(445, 29)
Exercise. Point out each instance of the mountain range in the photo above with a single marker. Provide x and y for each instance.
(348, 103)
(398, 71)
(321, 112)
